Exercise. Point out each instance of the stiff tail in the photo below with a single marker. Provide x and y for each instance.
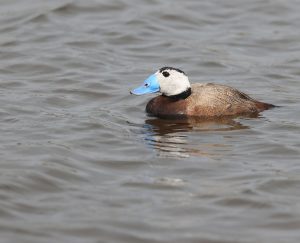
(261, 106)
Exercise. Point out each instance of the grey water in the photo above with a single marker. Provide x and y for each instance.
(80, 160)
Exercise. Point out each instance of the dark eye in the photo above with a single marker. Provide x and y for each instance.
(146, 84)
(166, 74)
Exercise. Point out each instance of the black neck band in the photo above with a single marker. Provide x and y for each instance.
(180, 96)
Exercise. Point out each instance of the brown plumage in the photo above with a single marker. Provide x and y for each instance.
(207, 101)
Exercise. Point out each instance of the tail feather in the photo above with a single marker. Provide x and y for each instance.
(261, 106)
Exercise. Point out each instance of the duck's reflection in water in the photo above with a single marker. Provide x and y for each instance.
(189, 136)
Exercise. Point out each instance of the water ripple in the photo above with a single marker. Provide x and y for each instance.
(81, 161)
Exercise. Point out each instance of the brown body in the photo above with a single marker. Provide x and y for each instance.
(207, 101)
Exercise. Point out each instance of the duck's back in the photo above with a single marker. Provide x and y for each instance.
(208, 100)
(221, 100)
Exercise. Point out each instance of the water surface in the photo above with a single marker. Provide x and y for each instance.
(82, 162)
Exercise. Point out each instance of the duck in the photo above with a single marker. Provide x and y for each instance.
(179, 98)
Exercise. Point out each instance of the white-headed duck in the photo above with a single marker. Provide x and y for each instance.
(207, 100)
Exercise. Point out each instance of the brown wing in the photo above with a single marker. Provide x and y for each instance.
(221, 100)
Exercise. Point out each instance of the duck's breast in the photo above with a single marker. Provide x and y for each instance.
(164, 106)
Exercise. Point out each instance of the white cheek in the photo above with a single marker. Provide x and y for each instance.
(163, 85)
(168, 86)
(173, 85)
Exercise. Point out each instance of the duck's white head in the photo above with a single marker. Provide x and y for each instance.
(169, 81)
